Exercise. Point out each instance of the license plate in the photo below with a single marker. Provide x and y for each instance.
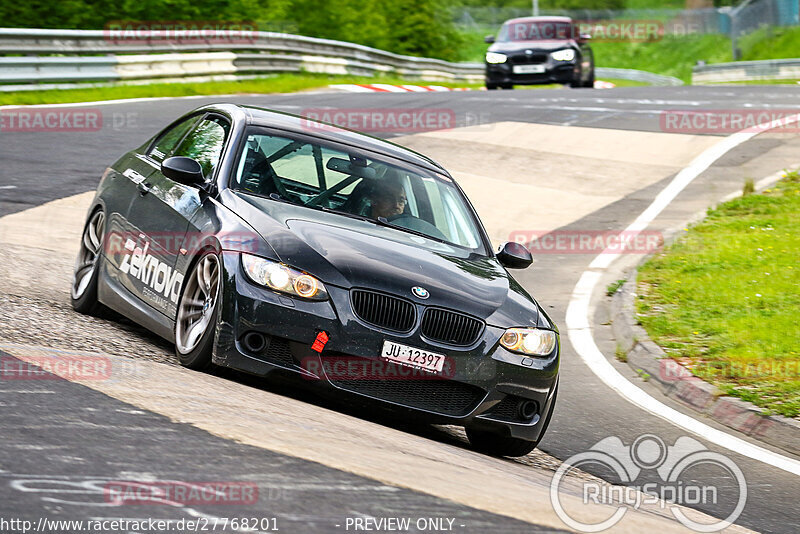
(411, 357)
(528, 69)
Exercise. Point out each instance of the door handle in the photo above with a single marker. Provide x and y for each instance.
(143, 188)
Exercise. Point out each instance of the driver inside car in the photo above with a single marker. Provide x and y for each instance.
(387, 199)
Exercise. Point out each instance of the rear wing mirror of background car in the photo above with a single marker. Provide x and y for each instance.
(488, 39)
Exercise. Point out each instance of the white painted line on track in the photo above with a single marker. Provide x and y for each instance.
(8, 186)
(579, 327)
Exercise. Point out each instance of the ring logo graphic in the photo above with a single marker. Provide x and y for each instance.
(652, 473)
(153, 273)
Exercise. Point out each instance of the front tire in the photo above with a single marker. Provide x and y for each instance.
(87, 266)
(197, 318)
(590, 82)
(494, 445)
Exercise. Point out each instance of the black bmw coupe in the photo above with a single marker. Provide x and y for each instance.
(270, 243)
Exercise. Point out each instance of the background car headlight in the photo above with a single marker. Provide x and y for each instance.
(567, 54)
(531, 341)
(282, 278)
(494, 57)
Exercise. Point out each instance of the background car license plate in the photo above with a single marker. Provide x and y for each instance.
(405, 355)
(528, 69)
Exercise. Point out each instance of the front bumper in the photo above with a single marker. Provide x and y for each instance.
(484, 383)
(562, 72)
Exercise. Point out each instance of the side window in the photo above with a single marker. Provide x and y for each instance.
(205, 143)
(169, 139)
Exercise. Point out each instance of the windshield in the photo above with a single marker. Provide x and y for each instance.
(320, 177)
(541, 30)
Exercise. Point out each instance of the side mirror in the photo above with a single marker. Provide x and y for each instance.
(584, 37)
(514, 256)
(488, 39)
(183, 170)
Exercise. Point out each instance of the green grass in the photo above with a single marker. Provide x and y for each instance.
(724, 298)
(283, 83)
(669, 56)
(771, 43)
(613, 287)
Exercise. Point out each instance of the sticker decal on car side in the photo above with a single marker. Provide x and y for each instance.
(152, 272)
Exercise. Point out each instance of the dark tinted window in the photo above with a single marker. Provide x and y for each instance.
(321, 177)
(169, 139)
(205, 143)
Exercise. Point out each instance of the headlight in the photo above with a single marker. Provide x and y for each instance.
(494, 57)
(282, 278)
(532, 341)
(568, 54)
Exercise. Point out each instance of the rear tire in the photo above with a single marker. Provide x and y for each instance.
(491, 86)
(507, 85)
(87, 267)
(196, 321)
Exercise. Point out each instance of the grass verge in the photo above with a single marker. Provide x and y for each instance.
(723, 299)
(282, 83)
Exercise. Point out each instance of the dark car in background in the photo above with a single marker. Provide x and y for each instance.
(539, 50)
(277, 245)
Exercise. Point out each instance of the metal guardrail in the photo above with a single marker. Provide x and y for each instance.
(636, 76)
(746, 71)
(105, 56)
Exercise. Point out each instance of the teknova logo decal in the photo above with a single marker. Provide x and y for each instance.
(420, 292)
(152, 272)
(650, 472)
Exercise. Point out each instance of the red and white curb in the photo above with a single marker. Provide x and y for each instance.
(389, 88)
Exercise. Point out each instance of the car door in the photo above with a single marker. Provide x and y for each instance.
(129, 247)
(161, 213)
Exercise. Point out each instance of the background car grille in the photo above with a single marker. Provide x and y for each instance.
(450, 327)
(525, 59)
(435, 394)
(382, 310)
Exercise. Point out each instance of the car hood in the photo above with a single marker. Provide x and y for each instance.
(350, 253)
(508, 47)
